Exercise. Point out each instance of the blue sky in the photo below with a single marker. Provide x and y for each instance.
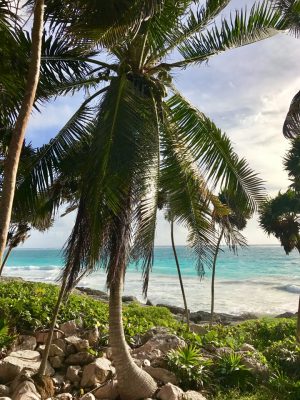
(246, 92)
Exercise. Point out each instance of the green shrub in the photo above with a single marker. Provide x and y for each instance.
(27, 306)
(283, 385)
(191, 370)
(232, 372)
(285, 356)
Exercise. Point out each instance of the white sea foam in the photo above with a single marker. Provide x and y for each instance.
(265, 295)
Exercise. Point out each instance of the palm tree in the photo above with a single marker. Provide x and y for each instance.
(17, 139)
(230, 226)
(280, 216)
(290, 11)
(143, 135)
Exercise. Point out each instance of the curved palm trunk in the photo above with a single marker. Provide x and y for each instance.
(42, 369)
(5, 259)
(187, 315)
(213, 279)
(17, 140)
(133, 382)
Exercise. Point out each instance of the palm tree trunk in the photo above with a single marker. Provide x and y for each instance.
(17, 140)
(213, 279)
(42, 369)
(133, 382)
(298, 323)
(5, 259)
(179, 276)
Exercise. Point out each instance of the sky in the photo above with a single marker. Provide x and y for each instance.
(245, 91)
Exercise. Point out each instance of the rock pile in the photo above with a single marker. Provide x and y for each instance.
(78, 372)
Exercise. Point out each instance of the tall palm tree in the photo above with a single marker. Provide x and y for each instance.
(230, 226)
(143, 135)
(17, 139)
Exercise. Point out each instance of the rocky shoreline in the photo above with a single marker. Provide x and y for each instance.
(197, 317)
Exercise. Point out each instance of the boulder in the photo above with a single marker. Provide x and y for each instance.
(56, 361)
(161, 374)
(286, 314)
(170, 392)
(61, 344)
(74, 373)
(88, 396)
(107, 391)
(82, 358)
(69, 328)
(96, 372)
(153, 332)
(78, 343)
(64, 396)
(41, 336)
(4, 390)
(174, 309)
(26, 391)
(97, 294)
(192, 395)
(247, 347)
(55, 351)
(199, 329)
(24, 342)
(157, 346)
(92, 336)
(255, 367)
(129, 299)
(12, 365)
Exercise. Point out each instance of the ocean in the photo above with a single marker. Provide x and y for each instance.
(260, 279)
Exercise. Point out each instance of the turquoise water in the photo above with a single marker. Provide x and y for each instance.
(259, 279)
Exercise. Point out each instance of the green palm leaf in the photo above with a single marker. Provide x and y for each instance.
(214, 152)
(291, 126)
(242, 29)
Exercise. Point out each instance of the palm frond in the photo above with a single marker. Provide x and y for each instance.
(291, 126)
(241, 29)
(116, 175)
(187, 197)
(194, 23)
(290, 10)
(214, 153)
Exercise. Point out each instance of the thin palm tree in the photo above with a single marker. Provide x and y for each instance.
(187, 313)
(17, 139)
(230, 226)
(17, 235)
(143, 135)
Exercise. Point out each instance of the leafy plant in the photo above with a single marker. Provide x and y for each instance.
(190, 368)
(232, 372)
(285, 355)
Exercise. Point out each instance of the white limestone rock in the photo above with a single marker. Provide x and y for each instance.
(17, 361)
(170, 392)
(74, 373)
(69, 328)
(96, 372)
